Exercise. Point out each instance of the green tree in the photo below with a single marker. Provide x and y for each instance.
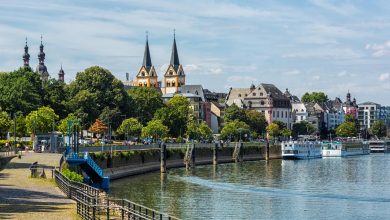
(21, 129)
(130, 126)
(21, 91)
(41, 121)
(199, 131)
(175, 115)
(280, 124)
(155, 128)
(146, 101)
(95, 89)
(379, 129)
(55, 96)
(273, 130)
(303, 128)
(286, 132)
(256, 121)
(5, 123)
(63, 125)
(111, 117)
(314, 97)
(346, 129)
(233, 112)
(234, 129)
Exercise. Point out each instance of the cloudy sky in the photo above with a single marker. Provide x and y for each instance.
(313, 45)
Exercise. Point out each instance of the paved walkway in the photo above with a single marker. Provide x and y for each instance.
(22, 197)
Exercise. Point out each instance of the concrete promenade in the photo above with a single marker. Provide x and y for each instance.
(22, 197)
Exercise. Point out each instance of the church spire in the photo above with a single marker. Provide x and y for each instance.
(174, 56)
(147, 60)
(26, 56)
(61, 75)
(41, 55)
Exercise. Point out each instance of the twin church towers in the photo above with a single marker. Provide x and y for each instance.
(174, 76)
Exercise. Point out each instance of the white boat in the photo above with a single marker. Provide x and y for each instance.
(378, 146)
(301, 150)
(344, 148)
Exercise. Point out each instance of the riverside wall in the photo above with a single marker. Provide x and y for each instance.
(135, 162)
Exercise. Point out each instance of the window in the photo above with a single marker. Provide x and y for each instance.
(239, 95)
(170, 72)
(173, 84)
(168, 84)
(261, 94)
(246, 95)
(277, 114)
(262, 103)
(142, 73)
(145, 84)
(140, 84)
(254, 94)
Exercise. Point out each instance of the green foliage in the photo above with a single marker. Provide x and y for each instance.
(130, 126)
(73, 176)
(21, 129)
(155, 128)
(111, 116)
(199, 131)
(234, 129)
(346, 129)
(63, 126)
(95, 89)
(379, 129)
(286, 132)
(41, 120)
(280, 124)
(175, 115)
(303, 128)
(314, 97)
(146, 101)
(233, 112)
(5, 123)
(21, 91)
(55, 96)
(273, 130)
(256, 121)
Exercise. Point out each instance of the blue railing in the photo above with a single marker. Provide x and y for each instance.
(94, 166)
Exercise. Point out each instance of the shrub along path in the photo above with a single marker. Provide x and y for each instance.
(22, 197)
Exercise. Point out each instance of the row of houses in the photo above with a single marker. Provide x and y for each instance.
(287, 108)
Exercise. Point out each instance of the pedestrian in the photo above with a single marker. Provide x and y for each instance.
(7, 146)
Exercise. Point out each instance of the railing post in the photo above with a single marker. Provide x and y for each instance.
(108, 209)
(193, 156)
(215, 154)
(163, 157)
(241, 152)
(267, 150)
(122, 208)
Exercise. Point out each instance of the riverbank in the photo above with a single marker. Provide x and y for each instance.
(22, 197)
(139, 162)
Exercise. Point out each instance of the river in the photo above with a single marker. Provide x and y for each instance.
(332, 188)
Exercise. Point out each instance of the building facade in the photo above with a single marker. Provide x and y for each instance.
(174, 76)
(147, 76)
(265, 98)
(368, 113)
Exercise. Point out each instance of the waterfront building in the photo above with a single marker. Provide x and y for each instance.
(174, 76)
(265, 98)
(368, 113)
(334, 113)
(350, 107)
(147, 76)
(41, 68)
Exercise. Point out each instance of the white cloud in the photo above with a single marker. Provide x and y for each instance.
(338, 8)
(379, 50)
(190, 67)
(316, 77)
(384, 76)
(292, 73)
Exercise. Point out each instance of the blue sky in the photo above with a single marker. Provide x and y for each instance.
(314, 45)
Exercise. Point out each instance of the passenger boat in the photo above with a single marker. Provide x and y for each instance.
(301, 150)
(379, 146)
(344, 148)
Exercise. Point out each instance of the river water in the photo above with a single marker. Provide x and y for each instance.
(332, 188)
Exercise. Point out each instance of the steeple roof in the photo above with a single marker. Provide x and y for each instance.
(175, 56)
(26, 55)
(147, 63)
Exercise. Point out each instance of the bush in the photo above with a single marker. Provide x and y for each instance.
(72, 175)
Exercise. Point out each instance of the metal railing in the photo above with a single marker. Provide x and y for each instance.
(7, 154)
(95, 204)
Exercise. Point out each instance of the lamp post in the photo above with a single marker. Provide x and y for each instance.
(15, 131)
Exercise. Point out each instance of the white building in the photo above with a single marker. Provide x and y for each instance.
(368, 113)
(266, 98)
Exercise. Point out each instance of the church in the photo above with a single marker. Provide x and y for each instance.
(41, 67)
(174, 77)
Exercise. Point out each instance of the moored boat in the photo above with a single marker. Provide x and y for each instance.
(301, 150)
(344, 148)
(378, 146)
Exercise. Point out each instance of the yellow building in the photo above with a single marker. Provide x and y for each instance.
(147, 76)
(174, 77)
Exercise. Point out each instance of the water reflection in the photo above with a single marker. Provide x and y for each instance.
(339, 188)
